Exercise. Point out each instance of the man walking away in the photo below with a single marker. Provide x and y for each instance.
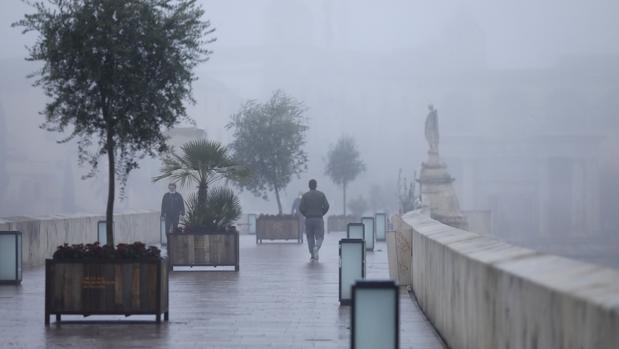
(314, 206)
(172, 206)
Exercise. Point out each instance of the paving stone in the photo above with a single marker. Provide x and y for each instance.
(279, 299)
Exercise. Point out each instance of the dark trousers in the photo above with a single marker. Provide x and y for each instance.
(315, 231)
(171, 223)
(301, 223)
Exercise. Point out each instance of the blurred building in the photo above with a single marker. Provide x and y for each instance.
(534, 185)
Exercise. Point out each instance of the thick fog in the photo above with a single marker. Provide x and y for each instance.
(526, 93)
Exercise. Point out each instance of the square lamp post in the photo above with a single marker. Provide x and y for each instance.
(370, 237)
(251, 218)
(355, 231)
(375, 315)
(10, 257)
(380, 220)
(163, 237)
(102, 232)
(352, 267)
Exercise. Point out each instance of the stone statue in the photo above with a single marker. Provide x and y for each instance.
(432, 130)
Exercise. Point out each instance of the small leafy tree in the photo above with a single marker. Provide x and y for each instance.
(117, 72)
(268, 140)
(344, 165)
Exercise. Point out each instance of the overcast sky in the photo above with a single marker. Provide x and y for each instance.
(517, 33)
(370, 68)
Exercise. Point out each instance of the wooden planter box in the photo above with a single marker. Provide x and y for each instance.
(278, 227)
(115, 287)
(339, 223)
(204, 250)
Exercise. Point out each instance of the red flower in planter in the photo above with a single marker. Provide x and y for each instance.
(137, 250)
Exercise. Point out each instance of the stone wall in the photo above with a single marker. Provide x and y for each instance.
(399, 247)
(480, 292)
(41, 235)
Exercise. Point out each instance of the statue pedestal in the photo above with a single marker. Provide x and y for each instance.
(438, 193)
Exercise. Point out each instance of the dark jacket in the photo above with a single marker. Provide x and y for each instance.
(314, 204)
(172, 205)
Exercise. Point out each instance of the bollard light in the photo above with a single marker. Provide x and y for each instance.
(252, 223)
(102, 232)
(370, 237)
(352, 267)
(163, 237)
(380, 220)
(10, 257)
(355, 231)
(375, 315)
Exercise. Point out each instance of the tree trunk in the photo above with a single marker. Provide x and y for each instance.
(202, 195)
(344, 194)
(279, 202)
(109, 214)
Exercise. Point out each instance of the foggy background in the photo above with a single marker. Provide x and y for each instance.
(527, 94)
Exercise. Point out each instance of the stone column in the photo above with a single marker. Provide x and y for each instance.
(438, 193)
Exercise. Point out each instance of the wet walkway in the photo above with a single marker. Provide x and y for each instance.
(278, 300)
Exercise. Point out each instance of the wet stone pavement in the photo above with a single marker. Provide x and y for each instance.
(279, 299)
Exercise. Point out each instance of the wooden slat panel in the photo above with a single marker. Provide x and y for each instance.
(190, 248)
(118, 285)
(72, 281)
(203, 249)
(91, 288)
(148, 285)
(278, 227)
(109, 291)
(135, 286)
(164, 287)
(126, 271)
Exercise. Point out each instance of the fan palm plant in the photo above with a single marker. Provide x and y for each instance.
(221, 210)
(202, 162)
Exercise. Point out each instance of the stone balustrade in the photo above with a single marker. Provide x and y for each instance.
(481, 292)
(41, 235)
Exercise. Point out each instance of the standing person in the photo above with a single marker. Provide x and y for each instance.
(314, 206)
(295, 205)
(172, 206)
(295, 212)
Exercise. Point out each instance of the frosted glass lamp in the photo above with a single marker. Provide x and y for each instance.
(10, 257)
(163, 238)
(252, 223)
(352, 267)
(380, 220)
(355, 231)
(102, 232)
(368, 222)
(375, 315)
